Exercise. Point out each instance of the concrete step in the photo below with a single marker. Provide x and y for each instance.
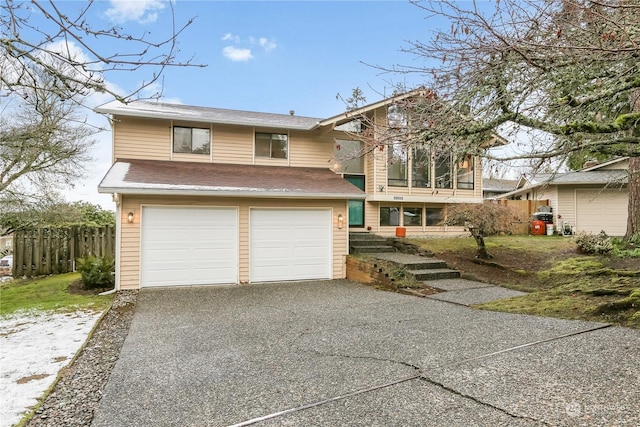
(368, 249)
(435, 274)
(364, 236)
(427, 264)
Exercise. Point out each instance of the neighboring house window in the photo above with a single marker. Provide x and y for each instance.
(443, 171)
(421, 167)
(412, 216)
(349, 156)
(191, 140)
(465, 173)
(271, 145)
(434, 216)
(389, 215)
(397, 165)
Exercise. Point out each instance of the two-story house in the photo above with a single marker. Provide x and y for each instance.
(215, 196)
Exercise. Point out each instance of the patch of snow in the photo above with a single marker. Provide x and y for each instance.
(34, 346)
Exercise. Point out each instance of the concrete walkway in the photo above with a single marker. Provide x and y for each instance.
(341, 353)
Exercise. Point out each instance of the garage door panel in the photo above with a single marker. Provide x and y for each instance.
(189, 246)
(290, 244)
(598, 210)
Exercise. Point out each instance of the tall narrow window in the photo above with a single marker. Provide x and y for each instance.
(421, 167)
(271, 145)
(443, 176)
(191, 140)
(465, 173)
(397, 165)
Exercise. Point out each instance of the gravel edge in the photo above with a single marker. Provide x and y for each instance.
(76, 395)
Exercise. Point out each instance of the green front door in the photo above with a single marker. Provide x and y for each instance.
(356, 207)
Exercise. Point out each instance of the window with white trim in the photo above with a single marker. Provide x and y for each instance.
(271, 145)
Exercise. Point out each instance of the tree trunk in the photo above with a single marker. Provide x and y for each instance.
(482, 248)
(633, 222)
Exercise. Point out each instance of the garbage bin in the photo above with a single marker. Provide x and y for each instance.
(549, 229)
(537, 228)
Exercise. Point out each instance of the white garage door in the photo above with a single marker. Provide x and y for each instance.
(598, 210)
(189, 246)
(290, 244)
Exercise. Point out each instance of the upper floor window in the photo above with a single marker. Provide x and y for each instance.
(443, 171)
(421, 167)
(397, 168)
(271, 145)
(191, 140)
(465, 173)
(349, 156)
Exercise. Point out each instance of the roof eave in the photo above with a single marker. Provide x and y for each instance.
(231, 193)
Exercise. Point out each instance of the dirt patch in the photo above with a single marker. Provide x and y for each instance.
(76, 287)
(35, 377)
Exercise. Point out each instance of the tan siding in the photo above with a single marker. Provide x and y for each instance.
(136, 138)
(232, 144)
(566, 207)
(307, 150)
(130, 257)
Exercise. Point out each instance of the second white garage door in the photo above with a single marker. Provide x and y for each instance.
(598, 210)
(290, 244)
(188, 246)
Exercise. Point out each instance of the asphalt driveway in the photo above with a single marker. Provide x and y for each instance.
(341, 353)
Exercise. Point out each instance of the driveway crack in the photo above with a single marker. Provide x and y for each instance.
(479, 401)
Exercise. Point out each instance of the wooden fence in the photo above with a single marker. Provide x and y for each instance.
(55, 250)
(524, 210)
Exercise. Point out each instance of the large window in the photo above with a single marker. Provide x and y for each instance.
(443, 176)
(397, 165)
(465, 173)
(389, 215)
(191, 140)
(421, 167)
(434, 216)
(412, 216)
(271, 145)
(349, 156)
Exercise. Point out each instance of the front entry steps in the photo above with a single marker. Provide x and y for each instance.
(423, 269)
(366, 243)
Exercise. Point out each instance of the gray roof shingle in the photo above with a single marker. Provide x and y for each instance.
(216, 179)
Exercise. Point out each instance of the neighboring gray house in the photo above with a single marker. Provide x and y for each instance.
(494, 188)
(590, 200)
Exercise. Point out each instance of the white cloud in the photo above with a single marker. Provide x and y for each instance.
(267, 45)
(229, 36)
(237, 54)
(141, 11)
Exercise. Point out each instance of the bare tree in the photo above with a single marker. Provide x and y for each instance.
(557, 77)
(44, 143)
(29, 49)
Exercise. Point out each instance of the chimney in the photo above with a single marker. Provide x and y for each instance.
(292, 112)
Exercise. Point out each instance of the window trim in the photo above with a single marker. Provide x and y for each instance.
(191, 128)
(270, 156)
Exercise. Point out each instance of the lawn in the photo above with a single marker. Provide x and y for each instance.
(561, 282)
(49, 293)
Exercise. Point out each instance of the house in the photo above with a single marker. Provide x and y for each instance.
(493, 188)
(590, 200)
(213, 196)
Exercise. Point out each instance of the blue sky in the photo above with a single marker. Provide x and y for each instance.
(270, 56)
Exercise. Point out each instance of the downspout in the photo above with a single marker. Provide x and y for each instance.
(116, 198)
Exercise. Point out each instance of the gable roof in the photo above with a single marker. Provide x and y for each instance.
(605, 164)
(582, 177)
(499, 185)
(231, 180)
(161, 110)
